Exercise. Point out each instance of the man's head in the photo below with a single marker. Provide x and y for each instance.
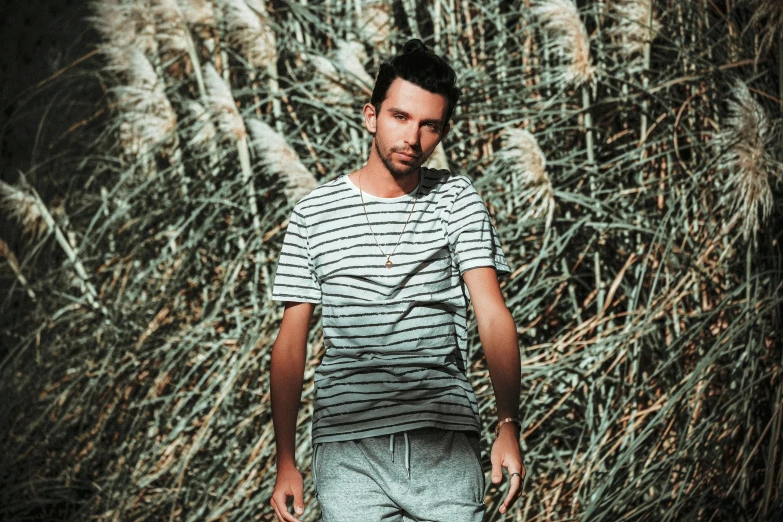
(408, 114)
(420, 66)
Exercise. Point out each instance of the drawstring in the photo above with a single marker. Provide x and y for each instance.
(407, 451)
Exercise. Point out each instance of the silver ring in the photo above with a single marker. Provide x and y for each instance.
(517, 474)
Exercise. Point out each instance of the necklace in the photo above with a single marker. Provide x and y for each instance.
(388, 263)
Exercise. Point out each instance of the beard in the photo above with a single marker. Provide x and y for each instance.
(397, 171)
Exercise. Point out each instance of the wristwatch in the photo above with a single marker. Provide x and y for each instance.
(504, 421)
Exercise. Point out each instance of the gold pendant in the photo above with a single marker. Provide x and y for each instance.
(388, 263)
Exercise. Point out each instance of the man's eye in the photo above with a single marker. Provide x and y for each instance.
(399, 116)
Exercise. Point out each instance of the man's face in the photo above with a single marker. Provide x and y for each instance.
(408, 126)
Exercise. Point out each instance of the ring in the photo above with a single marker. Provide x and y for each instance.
(517, 474)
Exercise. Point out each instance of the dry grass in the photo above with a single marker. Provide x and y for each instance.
(135, 363)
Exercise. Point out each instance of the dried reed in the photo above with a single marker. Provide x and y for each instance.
(170, 24)
(124, 23)
(344, 73)
(768, 17)
(281, 160)
(222, 104)
(374, 22)
(249, 31)
(198, 12)
(21, 207)
(747, 141)
(631, 26)
(438, 159)
(522, 152)
(146, 115)
(568, 39)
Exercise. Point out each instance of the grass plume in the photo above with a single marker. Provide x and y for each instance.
(222, 104)
(568, 38)
(21, 207)
(249, 31)
(281, 160)
(746, 141)
(170, 24)
(630, 26)
(198, 12)
(523, 154)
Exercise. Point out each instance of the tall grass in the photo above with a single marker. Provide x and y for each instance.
(635, 184)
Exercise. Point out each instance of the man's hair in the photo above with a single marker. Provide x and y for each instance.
(420, 66)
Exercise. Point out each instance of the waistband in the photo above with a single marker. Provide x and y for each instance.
(391, 450)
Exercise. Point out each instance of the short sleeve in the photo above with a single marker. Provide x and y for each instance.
(473, 240)
(295, 278)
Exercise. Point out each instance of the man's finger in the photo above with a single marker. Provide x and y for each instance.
(514, 486)
(282, 512)
(277, 511)
(497, 471)
(298, 502)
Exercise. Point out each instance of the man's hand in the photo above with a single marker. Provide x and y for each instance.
(289, 483)
(506, 453)
(498, 336)
(286, 374)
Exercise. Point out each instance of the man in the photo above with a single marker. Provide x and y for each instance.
(394, 252)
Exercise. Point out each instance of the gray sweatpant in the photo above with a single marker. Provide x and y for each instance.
(425, 474)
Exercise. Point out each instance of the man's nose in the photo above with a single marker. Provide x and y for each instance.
(412, 136)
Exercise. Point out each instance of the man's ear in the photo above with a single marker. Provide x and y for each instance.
(370, 122)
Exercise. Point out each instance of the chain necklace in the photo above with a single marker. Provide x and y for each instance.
(388, 263)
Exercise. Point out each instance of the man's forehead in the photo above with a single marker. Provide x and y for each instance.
(408, 97)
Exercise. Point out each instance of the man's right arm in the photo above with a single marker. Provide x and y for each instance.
(286, 374)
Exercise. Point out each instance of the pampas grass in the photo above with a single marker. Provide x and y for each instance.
(374, 22)
(747, 141)
(171, 29)
(249, 31)
(343, 74)
(650, 368)
(198, 12)
(22, 208)
(281, 160)
(147, 118)
(631, 26)
(221, 103)
(523, 154)
(124, 23)
(568, 39)
(438, 159)
(205, 131)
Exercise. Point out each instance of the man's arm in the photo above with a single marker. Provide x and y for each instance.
(286, 374)
(498, 335)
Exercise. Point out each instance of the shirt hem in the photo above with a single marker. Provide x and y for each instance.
(383, 431)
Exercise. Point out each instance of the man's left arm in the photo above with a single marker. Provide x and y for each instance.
(498, 335)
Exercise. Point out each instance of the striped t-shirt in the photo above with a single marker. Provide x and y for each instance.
(395, 338)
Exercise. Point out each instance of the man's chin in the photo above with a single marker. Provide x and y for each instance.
(404, 170)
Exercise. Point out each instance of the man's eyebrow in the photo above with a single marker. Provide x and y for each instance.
(407, 114)
(400, 111)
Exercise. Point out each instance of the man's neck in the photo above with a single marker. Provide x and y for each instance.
(376, 180)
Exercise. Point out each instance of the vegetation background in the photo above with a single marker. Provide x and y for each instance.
(629, 152)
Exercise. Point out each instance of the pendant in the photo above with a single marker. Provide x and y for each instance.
(388, 263)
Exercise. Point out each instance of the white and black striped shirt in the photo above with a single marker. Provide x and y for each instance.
(395, 338)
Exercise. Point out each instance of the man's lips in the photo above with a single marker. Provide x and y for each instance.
(405, 155)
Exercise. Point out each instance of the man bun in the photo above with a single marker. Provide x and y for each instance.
(413, 45)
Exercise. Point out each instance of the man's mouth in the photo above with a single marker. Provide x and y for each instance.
(406, 155)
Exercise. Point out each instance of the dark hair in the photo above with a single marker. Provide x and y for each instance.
(420, 66)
